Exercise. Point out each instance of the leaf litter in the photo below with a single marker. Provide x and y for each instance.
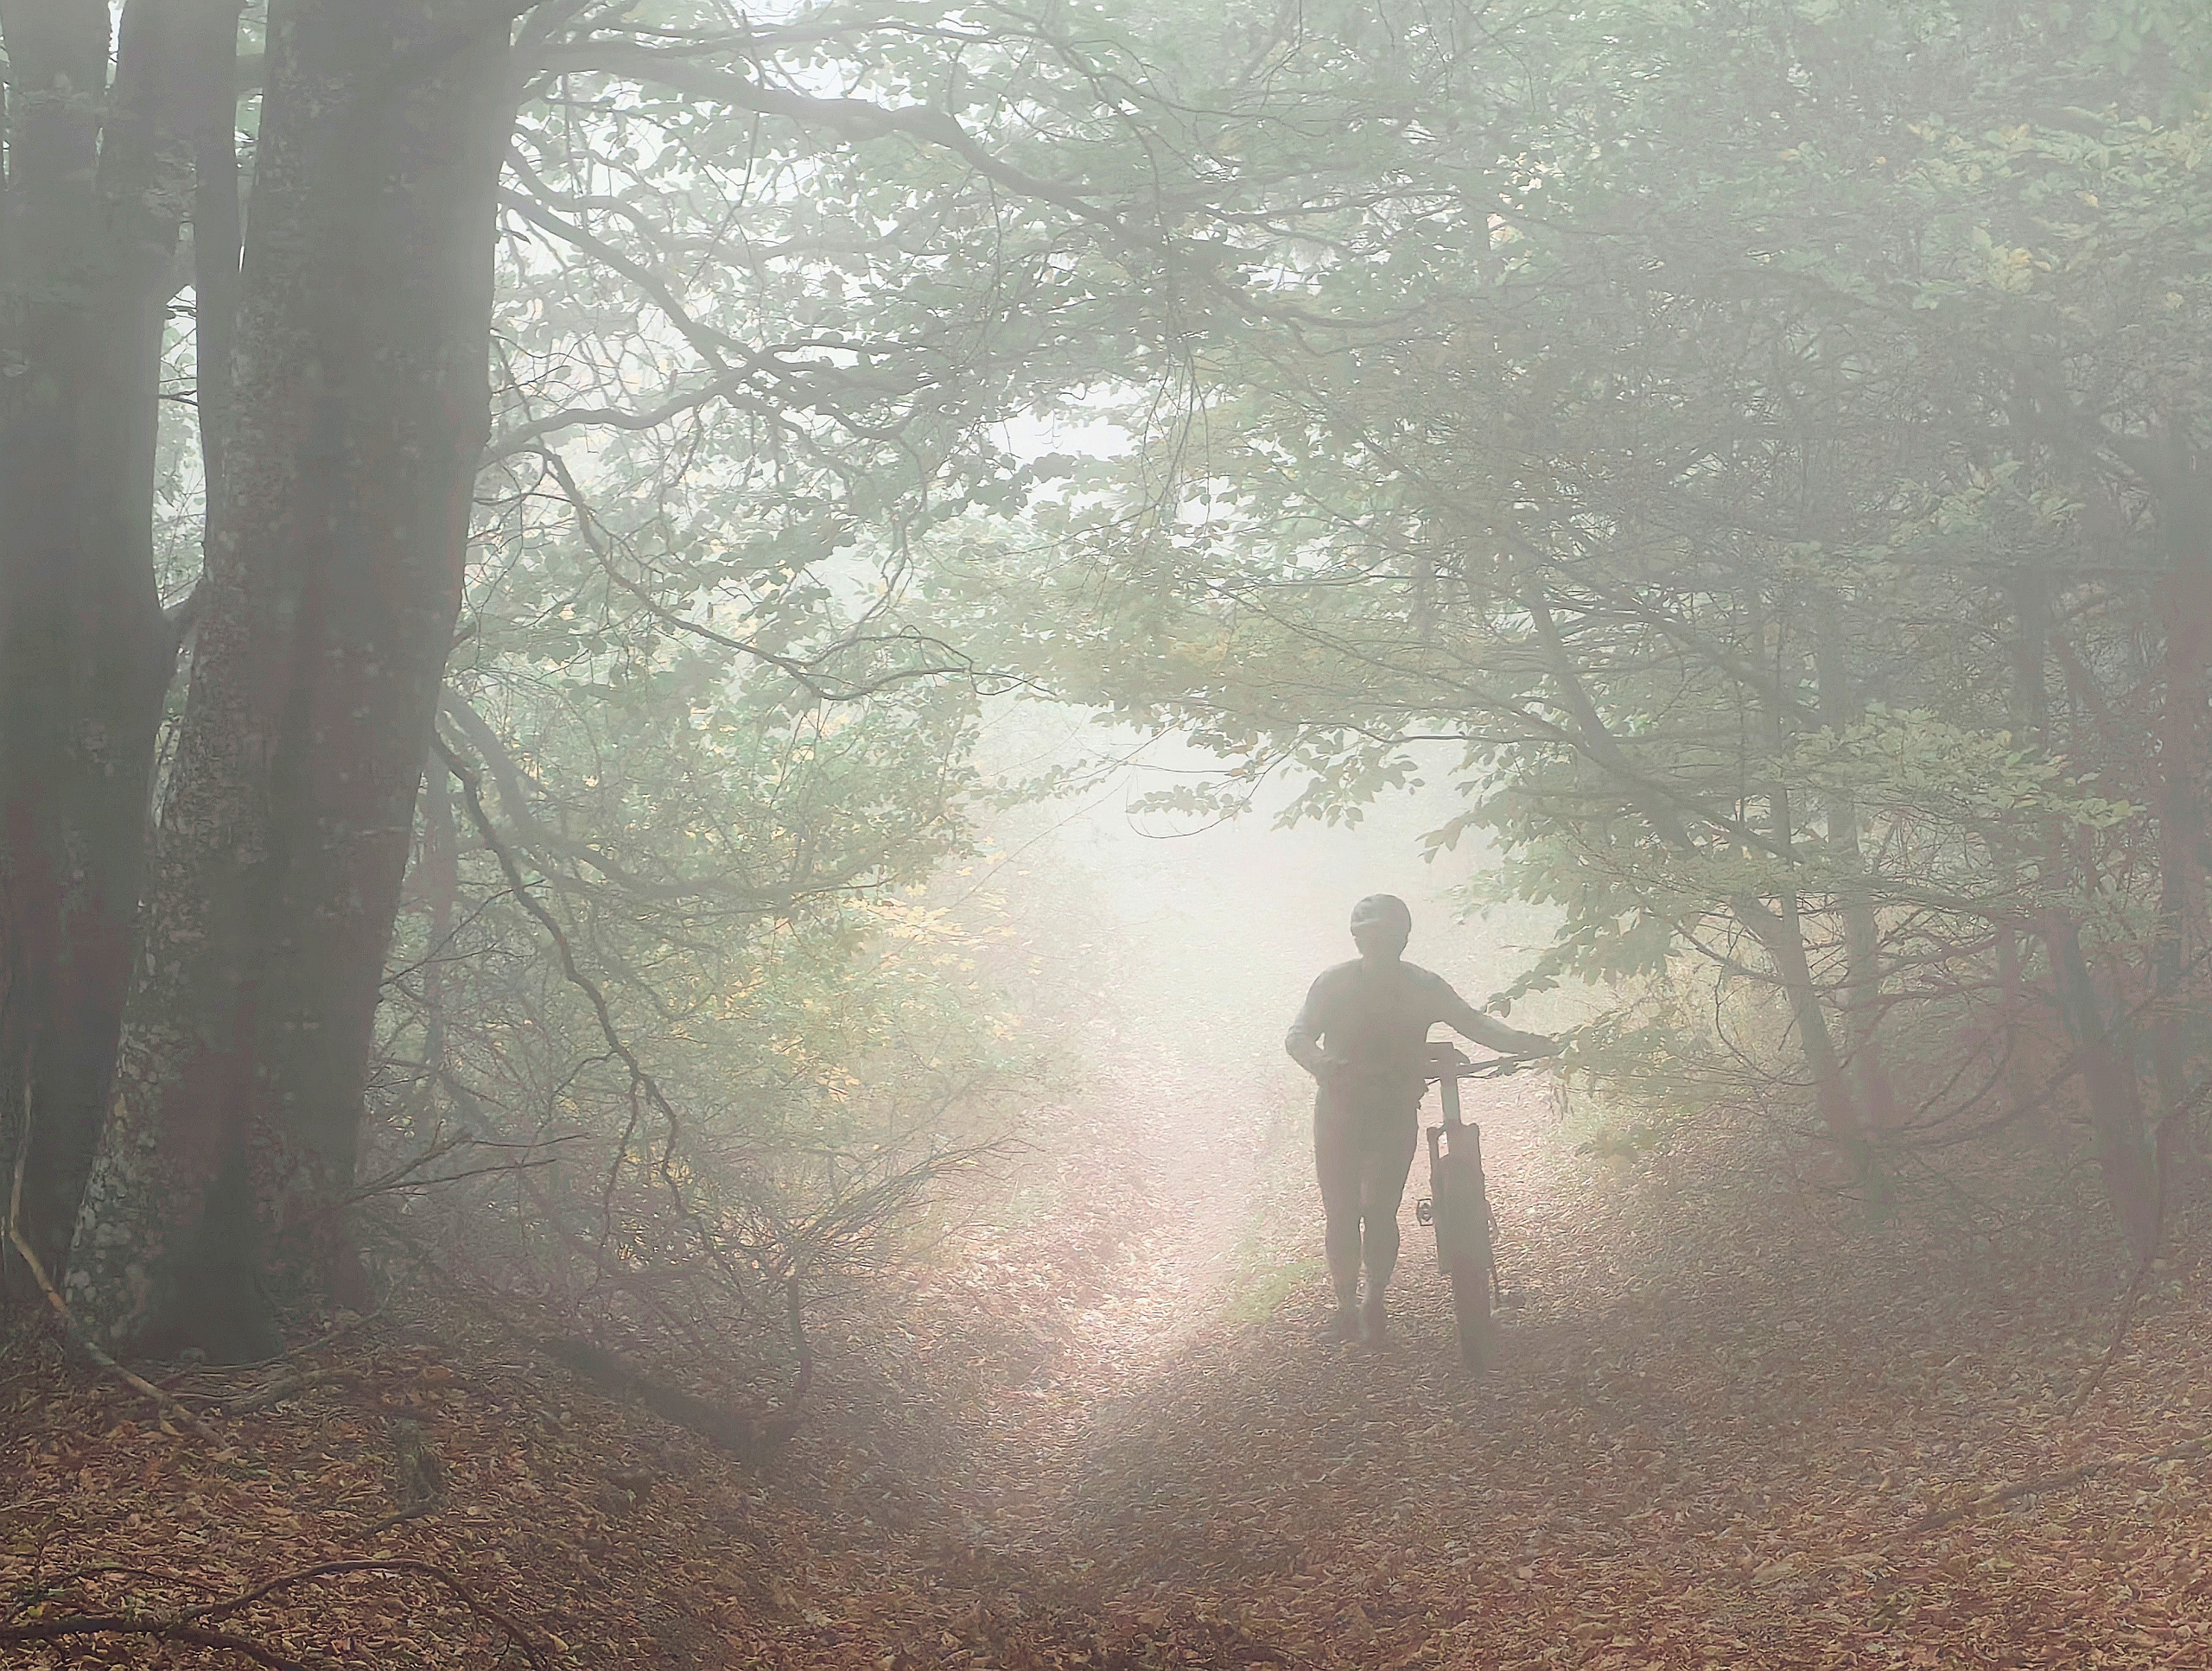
(1726, 1429)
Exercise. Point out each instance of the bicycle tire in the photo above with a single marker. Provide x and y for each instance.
(1471, 1309)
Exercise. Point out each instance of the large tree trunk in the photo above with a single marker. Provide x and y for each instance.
(87, 243)
(333, 586)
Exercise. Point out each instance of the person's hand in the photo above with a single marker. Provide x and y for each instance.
(1536, 1044)
(1331, 1069)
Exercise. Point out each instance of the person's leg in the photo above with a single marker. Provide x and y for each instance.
(1338, 1164)
(1391, 1135)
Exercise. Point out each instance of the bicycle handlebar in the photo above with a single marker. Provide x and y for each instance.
(1450, 1059)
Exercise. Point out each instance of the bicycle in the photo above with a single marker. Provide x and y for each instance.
(1457, 1203)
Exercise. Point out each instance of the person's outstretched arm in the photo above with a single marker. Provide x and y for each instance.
(1464, 1018)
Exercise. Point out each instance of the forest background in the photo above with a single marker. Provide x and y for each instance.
(514, 520)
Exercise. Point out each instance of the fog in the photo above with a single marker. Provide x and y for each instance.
(640, 1025)
(1189, 944)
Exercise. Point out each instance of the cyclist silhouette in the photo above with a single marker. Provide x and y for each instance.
(1362, 1034)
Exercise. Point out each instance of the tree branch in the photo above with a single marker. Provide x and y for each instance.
(852, 118)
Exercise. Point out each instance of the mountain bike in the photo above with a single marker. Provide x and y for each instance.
(1458, 1203)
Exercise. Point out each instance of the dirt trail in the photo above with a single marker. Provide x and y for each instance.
(1716, 1422)
(1142, 1460)
(1157, 1193)
(1719, 1417)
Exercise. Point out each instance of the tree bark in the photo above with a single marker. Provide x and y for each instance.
(333, 585)
(87, 241)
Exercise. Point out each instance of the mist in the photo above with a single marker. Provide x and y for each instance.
(1113, 836)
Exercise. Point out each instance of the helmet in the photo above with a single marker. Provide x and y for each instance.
(1383, 910)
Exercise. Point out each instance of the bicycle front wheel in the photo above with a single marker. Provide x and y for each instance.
(1471, 1299)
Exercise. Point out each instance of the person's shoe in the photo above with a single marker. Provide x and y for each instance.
(1344, 1325)
(1375, 1321)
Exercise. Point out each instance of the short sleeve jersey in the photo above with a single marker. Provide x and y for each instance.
(1376, 1017)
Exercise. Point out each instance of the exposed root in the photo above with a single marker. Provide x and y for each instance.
(169, 1407)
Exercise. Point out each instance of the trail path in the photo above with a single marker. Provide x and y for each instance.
(1704, 1445)
(1119, 1444)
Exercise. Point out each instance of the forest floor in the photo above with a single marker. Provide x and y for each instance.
(1726, 1429)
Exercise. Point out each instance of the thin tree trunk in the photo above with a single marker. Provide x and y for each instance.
(2180, 826)
(217, 229)
(1832, 1098)
(2024, 1062)
(333, 586)
(2118, 1137)
(1861, 997)
(1776, 929)
(2185, 595)
(1839, 1114)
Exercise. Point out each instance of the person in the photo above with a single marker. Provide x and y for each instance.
(1362, 1034)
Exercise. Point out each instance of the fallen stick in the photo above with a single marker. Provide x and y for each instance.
(46, 1588)
(2127, 1305)
(116, 1625)
(356, 1320)
(751, 1440)
(421, 1510)
(283, 1387)
(190, 1625)
(420, 1569)
(2037, 1487)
